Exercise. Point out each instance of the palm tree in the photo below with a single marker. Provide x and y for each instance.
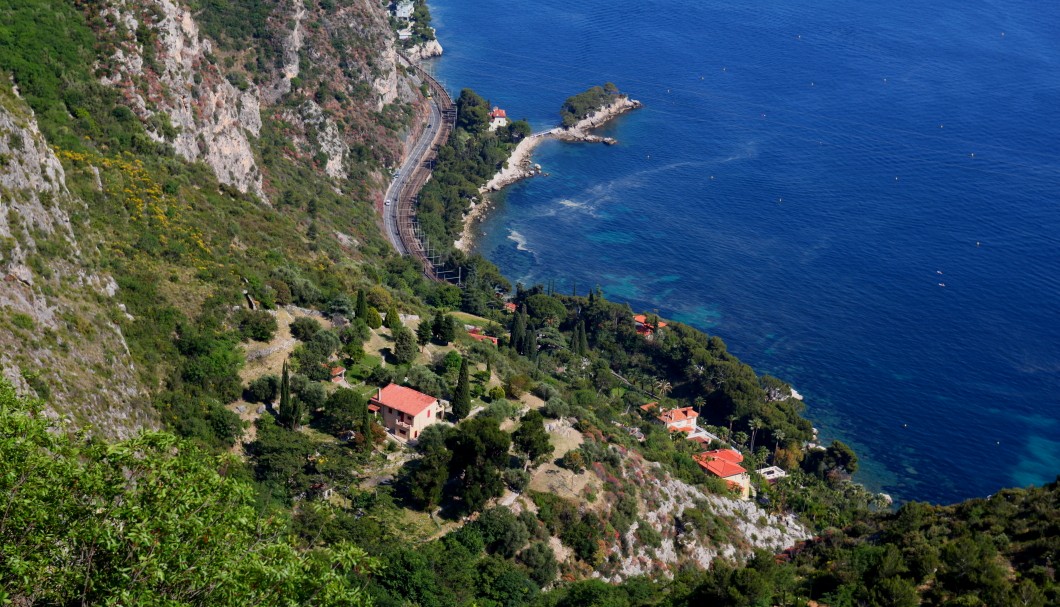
(698, 402)
(661, 386)
(731, 417)
(755, 424)
(778, 435)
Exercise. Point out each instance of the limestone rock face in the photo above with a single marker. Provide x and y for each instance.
(424, 51)
(57, 337)
(215, 119)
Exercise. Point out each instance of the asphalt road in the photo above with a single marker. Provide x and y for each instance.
(395, 193)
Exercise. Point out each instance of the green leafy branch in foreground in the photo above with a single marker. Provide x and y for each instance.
(147, 521)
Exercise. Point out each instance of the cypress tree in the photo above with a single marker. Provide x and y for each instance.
(424, 332)
(362, 305)
(286, 412)
(583, 339)
(446, 328)
(519, 332)
(462, 396)
(531, 344)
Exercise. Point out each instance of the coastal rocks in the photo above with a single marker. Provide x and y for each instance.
(419, 52)
(519, 165)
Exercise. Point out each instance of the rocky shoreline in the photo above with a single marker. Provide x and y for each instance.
(519, 165)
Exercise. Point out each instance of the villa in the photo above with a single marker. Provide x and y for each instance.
(403, 10)
(405, 411)
(498, 119)
(682, 420)
(644, 327)
(725, 464)
(772, 474)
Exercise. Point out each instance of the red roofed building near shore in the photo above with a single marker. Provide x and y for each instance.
(725, 464)
(405, 411)
(681, 420)
(640, 321)
(498, 118)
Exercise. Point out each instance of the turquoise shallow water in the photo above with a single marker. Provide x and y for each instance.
(801, 174)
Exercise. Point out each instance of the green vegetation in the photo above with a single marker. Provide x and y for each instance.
(309, 515)
(581, 105)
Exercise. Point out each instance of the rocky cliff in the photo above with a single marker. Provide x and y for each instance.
(58, 336)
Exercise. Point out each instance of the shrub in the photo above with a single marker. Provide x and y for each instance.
(304, 328)
(263, 389)
(258, 325)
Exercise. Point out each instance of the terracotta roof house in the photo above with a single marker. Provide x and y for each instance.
(682, 420)
(725, 464)
(509, 307)
(405, 411)
(648, 407)
(498, 118)
(338, 375)
(480, 337)
(644, 327)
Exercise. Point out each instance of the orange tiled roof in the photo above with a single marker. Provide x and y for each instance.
(718, 467)
(729, 455)
(510, 306)
(404, 399)
(678, 415)
(648, 406)
(498, 113)
(642, 319)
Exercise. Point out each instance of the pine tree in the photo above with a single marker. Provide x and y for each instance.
(362, 305)
(462, 395)
(445, 328)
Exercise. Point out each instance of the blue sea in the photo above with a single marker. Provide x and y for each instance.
(861, 198)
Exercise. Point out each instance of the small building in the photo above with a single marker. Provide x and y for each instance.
(403, 10)
(406, 412)
(498, 119)
(725, 464)
(649, 407)
(509, 307)
(338, 375)
(640, 321)
(772, 474)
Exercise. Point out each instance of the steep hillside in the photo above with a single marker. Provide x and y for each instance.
(165, 157)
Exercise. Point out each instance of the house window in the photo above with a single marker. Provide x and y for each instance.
(415, 434)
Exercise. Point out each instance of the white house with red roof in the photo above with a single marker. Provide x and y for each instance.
(498, 118)
(406, 412)
(682, 420)
(725, 464)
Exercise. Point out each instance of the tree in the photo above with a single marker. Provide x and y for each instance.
(424, 332)
(372, 318)
(430, 473)
(756, 425)
(258, 325)
(345, 410)
(530, 438)
(393, 319)
(263, 389)
(541, 561)
(150, 520)
(583, 339)
(362, 306)
(405, 348)
(290, 411)
(778, 436)
(304, 328)
(502, 532)
(444, 328)
(480, 451)
(462, 394)
(519, 332)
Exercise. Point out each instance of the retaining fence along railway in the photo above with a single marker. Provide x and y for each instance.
(399, 213)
